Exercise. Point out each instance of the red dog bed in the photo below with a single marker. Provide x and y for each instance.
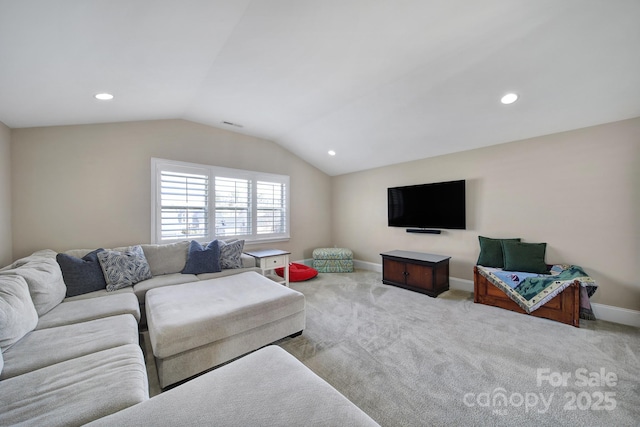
(298, 272)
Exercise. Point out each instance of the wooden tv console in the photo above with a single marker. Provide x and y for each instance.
(416, 271)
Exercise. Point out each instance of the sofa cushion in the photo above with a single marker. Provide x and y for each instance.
(266, 388)
(202, 259)
(230, 253)
(70, 312)
(44, 278)
(76, 391)
(100, 293)
(44, 253)
(248, 261)
(141, 288)
(188, 316)
(34, 351)
(229, 272)
(166, 258)
(124, 268)
(78, 253)
(18, 315)
(81, 275)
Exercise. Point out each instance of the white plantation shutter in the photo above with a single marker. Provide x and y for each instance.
(191, 201)
(233, 207)
(182, 203)
(271, 208)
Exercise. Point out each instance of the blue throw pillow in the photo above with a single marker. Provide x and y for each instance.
(202, 259)
(81, 275)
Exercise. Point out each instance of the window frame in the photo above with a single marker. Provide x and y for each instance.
(159, 165)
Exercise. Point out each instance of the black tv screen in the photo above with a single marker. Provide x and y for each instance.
(437, 205)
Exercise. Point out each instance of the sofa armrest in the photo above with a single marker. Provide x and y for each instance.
(248, 261)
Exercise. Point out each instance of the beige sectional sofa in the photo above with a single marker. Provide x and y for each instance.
(65, 363)
(166, 263)
(70, 361)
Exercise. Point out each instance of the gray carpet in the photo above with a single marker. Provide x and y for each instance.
(410, 360)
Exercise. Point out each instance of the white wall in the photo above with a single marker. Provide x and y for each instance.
(578, 191)
(89, 186)
(6, 252)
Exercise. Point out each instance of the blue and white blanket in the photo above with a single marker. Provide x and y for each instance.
(531, 291)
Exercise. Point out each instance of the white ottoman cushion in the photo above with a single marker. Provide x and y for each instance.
(188, 316)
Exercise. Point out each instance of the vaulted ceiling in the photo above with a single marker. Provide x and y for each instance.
(377, 81)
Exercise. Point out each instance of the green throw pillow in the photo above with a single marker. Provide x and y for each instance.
(525, 257)
(491, 251)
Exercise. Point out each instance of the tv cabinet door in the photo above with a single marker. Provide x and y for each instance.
(420, 276)
(393, 271)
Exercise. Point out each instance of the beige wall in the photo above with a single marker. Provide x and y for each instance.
(6, 253)
(89, 186)
(578, 191)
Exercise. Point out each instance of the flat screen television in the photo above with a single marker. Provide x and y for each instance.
(439, 205)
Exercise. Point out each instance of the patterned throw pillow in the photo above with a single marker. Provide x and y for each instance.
(230, 253)
(126, 268)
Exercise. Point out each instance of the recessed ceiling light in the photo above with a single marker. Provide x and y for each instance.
(509, 98)
(103, 96)
(332, 153)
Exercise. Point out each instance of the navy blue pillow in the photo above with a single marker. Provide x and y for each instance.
(202, 259)
(82, 275)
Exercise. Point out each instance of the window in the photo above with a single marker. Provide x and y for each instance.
(191, 201)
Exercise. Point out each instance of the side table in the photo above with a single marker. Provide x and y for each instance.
(270, 259)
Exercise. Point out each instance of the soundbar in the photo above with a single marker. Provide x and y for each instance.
(423, 230)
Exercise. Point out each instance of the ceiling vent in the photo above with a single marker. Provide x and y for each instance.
(226, 123)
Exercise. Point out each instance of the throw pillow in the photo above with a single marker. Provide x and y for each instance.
(491, 251)
(202, 259)
(126, 268)
(18, 315)
(166, 258)
(44, 278)
(82, 275)
(525, 257)
(230, 253)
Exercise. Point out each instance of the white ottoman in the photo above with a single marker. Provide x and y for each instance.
(196, 326)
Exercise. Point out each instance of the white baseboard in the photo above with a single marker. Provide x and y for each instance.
(364, 265)
(609, 313)
(461, 284)
(613, 314)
